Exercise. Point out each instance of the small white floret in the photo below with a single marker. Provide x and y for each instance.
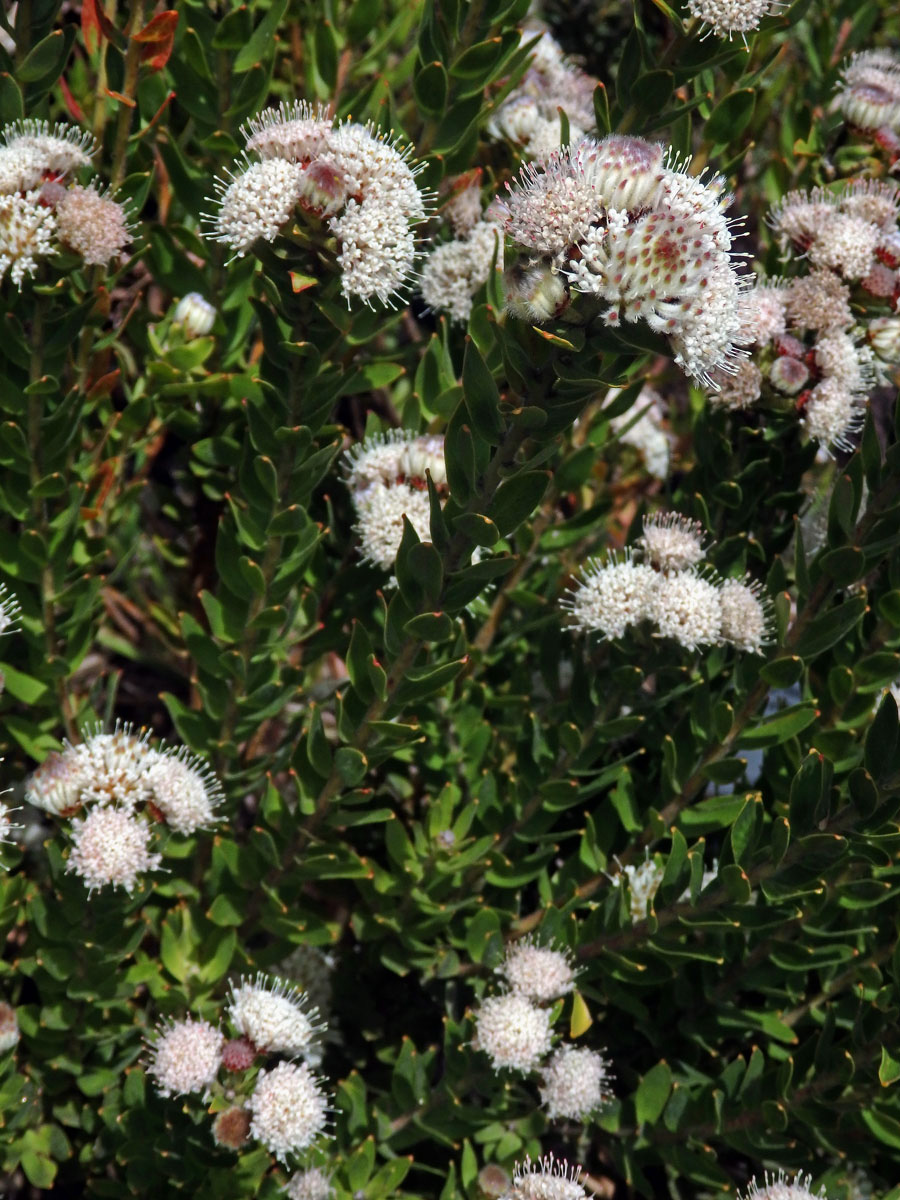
(611, 597)
(688, 608)
(308, 1185)
(547, 1179)
(673, 542)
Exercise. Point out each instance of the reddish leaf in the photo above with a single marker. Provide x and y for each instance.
(70, 102)
(96, 25)
(118, 96)
(156, 39)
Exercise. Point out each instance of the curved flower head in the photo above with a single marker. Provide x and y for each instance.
(747, 615)
(547, 1179)
(92, 224)
(184, 790)
(512, 1031)
(673, 542)
(539, 972)
(26, 235)
(611, 597)
(185, 1057)
(288, 1108)
(575, 1083)
(256, 203)
(273, 1015)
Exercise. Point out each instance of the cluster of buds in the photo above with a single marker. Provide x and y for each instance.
(513, 1028)
(388, 479)
(616, 221)
(348, 178)
(672, 590)
(249, 1070)
(869, 98)
(126, 790)
(529, 115)
(44, 212)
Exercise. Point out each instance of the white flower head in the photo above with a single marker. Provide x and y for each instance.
(747, 619)
(833, 414)
(60, 148)
(312, 1184)
(114, 766)
(289, 1109)
(297, 132)
(846, 244)
(688, 608)
(110, 846)
(763, 313)
(255, 203)
(380, 512)
(57, 784)
(273, 1015)
(377, 250)
(539, 972)
(783, 1188)
(9, 1027)
(551, 205)
(870, 96)
(818, 301)
(739, 389)
(26, 235)
(611, 597)
(547, 1179)
(454, 271)
(184, 789)
(575, 1083)
(647, 434)
(512, 1031)
(673, 542)
(186, 1056)
(874, 200)
(92, 224)
(727, 17)
(9, 610)
(625, 172)
(394, 458)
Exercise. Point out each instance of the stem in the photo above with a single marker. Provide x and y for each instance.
(129, 87)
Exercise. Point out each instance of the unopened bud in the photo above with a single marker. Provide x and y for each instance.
(322, 188)
(535, 295)
(231, 1128)
(238, 1055)
(195, 315)
(788, 375)
(884, 335)
(493, 1180)
(9, 1027)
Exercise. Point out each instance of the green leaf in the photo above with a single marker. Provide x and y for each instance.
(352, 765)
(11, 105)
(431, 87)
(516, 499)
(777, 728)
(652, 1094)
(885, 1128)
(889, 1070)
(825, 631)
(262, 40)
(881, 739)
(581, 1020)
(730, 117)
(45, 62)
(782, 672)
(481, 395)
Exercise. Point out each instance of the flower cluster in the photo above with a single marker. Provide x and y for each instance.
(780, 1187)
(387, 477)
(547, 1179)
(727, 17)
(43, 211)
(611, 219)
(278, 1101)
(641, 427)
(513, 1029)
(670, 590)
(454, 271)
(869, 98)
(349, 177)
(529, 116)
(125, 788)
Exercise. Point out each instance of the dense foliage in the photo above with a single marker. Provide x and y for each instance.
(413, 765)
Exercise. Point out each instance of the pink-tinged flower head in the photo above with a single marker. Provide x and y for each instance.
(833, 414)
(454, 271)
(288, 1108)
(185, 1057)
(551, 205)
(296, 132)
(870, 95)
(541, 973)
(673, 542)
(625, 172)
(312, 1184)
(92, 224)
(747, 620)
(575, 1083)
(110, 846)
(739, 389)
(184, 790)
(512, 1031)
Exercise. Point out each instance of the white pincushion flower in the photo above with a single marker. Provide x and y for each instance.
(308, 1185)
(883, 334)
(673, 542)
(727, 17)
(59, 148)
(289, 1109)
(783, 1188)
(26, 233)
(832, 415)
(552, 204)
(575, 1083)
(396, 457)
(463, 208)
(297, 132)
(845, 244)
(818, 301)
(377, 249)
(21, 170)
(738, 390)
(874, 200)
(92, 224)
(799, 215)
(838, 357)
(114, 767)
(539, 972)
(185, 1057)
(184, 789)
(110, 846)
(687, 607)
(454, 271)
(611, 597)
(546, 1179)
(273, 1015)
(256, 203)
(512, 1031)
(764, 317)
(380, 512)
(746, 615)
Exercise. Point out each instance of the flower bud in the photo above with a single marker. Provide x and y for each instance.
(195, 314)
(535, 295)
(322, 188)
(788, 375)
(231, 1128)
(884, 335)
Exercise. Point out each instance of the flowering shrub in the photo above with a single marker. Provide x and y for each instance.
(450, 599)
